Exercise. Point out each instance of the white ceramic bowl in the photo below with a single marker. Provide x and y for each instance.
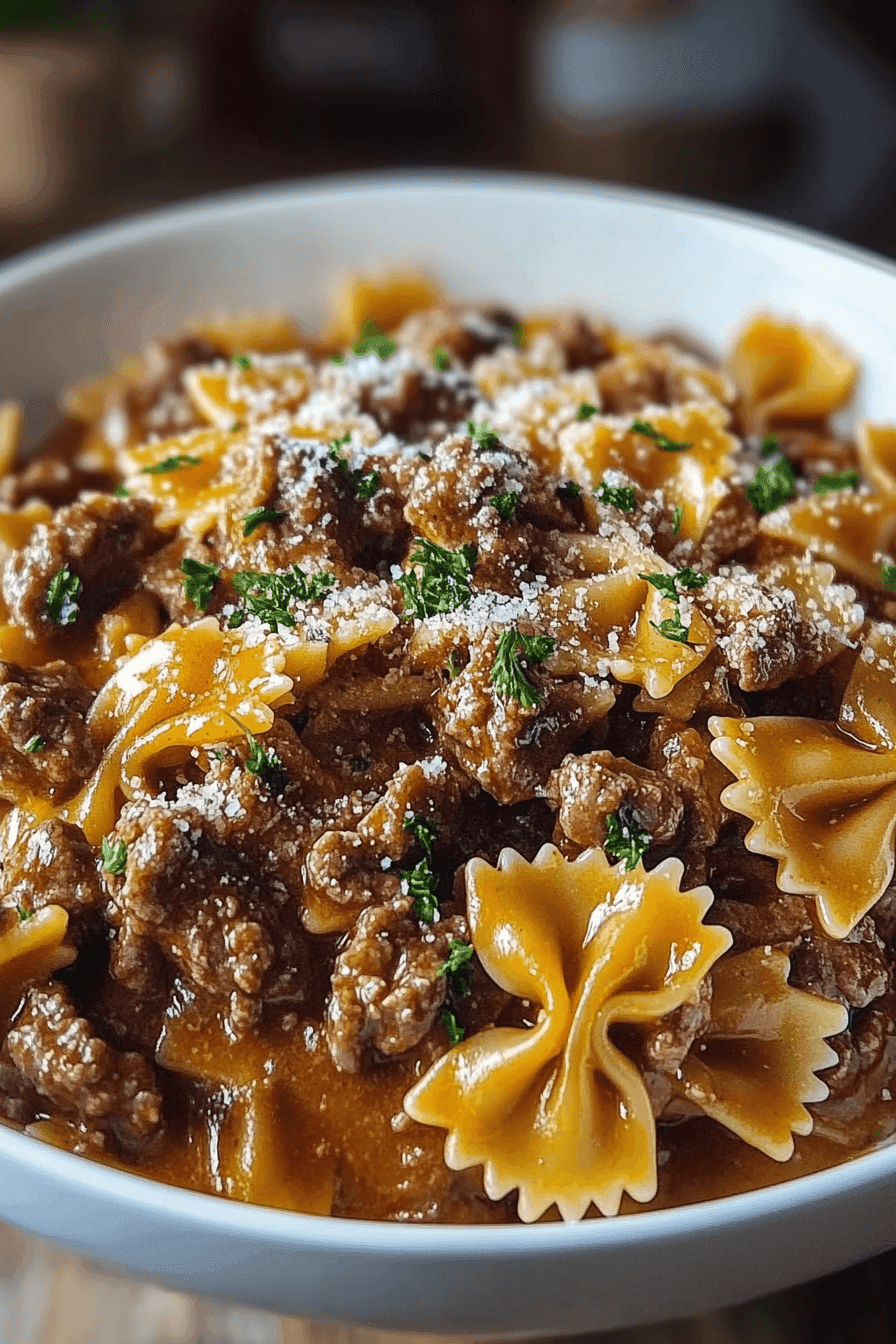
(649, 263)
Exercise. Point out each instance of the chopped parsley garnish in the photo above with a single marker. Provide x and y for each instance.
(24, 914)
(35, 744)
(508, 675)
(337, 359)
(771, 486)
(236, 619)
(888, 576)
(421, 884)
(770, 446)
(673, 585)
(677, 516)
(458, 964)
(841, 480)
(267, 596)
(585, 411)
(441, 358)
(122, 491)
(199, 582)
(255, 517)
(364, 483)
(445, 582)
(482, 435)
(242, 361)
(115, 856)
(620, 496)
(237, 425)
(662, 441)
(673, 628)
(423, 832)
(374, 341)
(519, 334)
(569, 490)
(454, 665)
(62, 596)
(456, 1033)
(506, 504)
(173, 463)
(360, 763)
(264, 763)
(625, 839)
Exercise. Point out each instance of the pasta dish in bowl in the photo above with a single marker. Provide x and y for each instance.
(447, 763)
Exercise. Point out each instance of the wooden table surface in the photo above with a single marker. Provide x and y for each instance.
(49, 1297)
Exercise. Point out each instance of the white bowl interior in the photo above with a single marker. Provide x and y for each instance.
(649, 263)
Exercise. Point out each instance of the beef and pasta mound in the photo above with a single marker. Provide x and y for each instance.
(449, 765)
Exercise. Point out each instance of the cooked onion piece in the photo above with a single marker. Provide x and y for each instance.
(822, 796)
(558, 1111)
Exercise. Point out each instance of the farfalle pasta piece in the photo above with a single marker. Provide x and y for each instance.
(851, 529)
(182, 477)
(558, 1111)
(267, 333)
(32, 949)
(754, 1069)
(876, 448)
(822, 796)
(384, 299)
(11, 415)
(789, 372)
(228, 395)
(535, 412)
(694, 480)
(193, 686)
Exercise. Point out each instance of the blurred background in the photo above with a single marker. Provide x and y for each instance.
(783, 106)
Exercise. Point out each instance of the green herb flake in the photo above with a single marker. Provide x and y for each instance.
(114, 856)
(459, 956)
(508, 675)
(267, 596)
(338, 358)
(359, 764)
(199, 582)
(23, 914)
(374, 341)
(569, 490)
(364, 483)
(456, 1033)
(455, 667)
(242, 361)
(236, 619)
(423, 832)
(506, 504)
(888, 576)
(420, 883)
(772, 486)
(770, 446)
(622, 497)
(445, 582)
(677, 516)
(673, 628)
(841, 480)
(62, 596)
(35, 744)
(441, 358)
(662, 441)
(255, 517)
(264, 763)
(173, 463)
(519, 334)
(585, 411)
(482, 435)
(121, 491)
(625, 839)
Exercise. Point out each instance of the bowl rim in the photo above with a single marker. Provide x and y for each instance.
(420, 1240)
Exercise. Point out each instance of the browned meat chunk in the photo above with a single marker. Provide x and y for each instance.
(865, 1072)
(585, 790)
(386, 986)
(664, 1047)
(346, 870)
(52, 865)
(101, 540)
(58, 1052)
(46, 746)
(855, 971)
(465, 334)
(156, 403)
(211, 886)
(510, 749)
(417, 403)
(732, 528)
(682, 755)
